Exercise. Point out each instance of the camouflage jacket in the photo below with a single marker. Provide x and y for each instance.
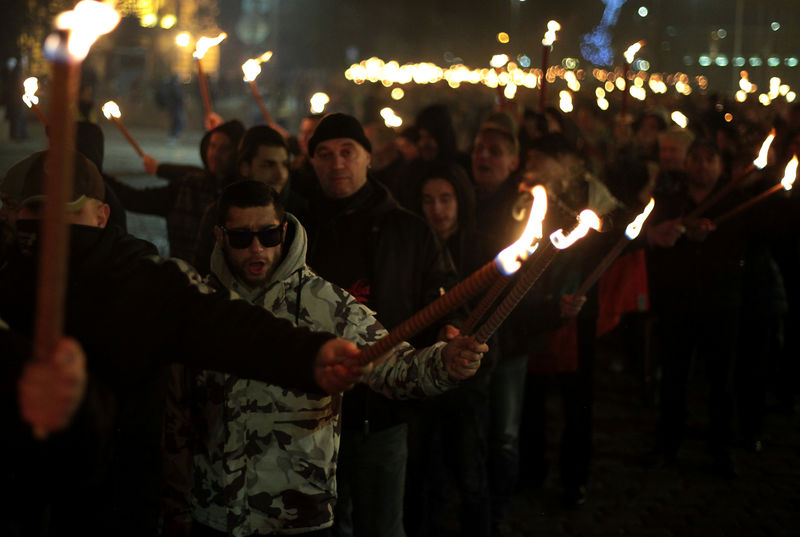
(263, 458)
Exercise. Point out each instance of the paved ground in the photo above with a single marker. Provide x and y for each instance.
(624, 497)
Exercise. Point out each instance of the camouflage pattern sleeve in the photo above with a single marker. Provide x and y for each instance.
(404, 373)
(176, 452)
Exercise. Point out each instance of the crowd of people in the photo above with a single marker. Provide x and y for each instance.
(219, 392)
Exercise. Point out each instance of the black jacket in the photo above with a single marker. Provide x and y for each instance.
(406, 269)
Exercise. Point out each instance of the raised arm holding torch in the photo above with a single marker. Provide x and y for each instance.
(631, 232)
(112, 112)
(789, 175)
(30, 99)
(66, 48)
(506, 263)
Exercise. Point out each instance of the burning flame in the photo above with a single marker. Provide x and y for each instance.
(761, 161)
(111, 109)
(633, 229)
(390, 118)
(550, 36)
(510, 259)
(790, 174)
(205, 43)
(632, 50)
(586, 220)
(29, 97)
(680, 119)
(252, 67)
(498, 60)
(86, 22)
(565, 101)
(318, 102)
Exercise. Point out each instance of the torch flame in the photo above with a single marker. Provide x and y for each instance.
(251, 70)
(632, 50)
(510, 259)
(550, 36)
(761, 161)
(86, 22)
(31, 84)
(252, 67)
(205, 43)
(680, 119)
(586, 220)
(790, 174)
(633, 229)
(111, 109)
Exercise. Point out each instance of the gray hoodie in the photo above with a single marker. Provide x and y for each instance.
(265, 460)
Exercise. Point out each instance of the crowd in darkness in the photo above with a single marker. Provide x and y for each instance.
(218, 392)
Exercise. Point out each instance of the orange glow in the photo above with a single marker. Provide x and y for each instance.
(586, 220)
(86, 22)
(635, 227)
(761, 161)
(630, 53)
(31, 84)
(205, 43)
(510, 259)
(790, 174)
(111, 109)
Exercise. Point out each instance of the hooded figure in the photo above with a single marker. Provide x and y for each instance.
(296, 488)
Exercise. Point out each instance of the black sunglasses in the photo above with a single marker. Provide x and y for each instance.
(243, 238)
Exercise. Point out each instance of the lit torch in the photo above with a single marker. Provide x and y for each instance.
(629, 55)
(547, 44)
(759, 163)
(30, 99)
(65, 49)
(251, 69)
(533, 232)
(112, 112)
(631, 232)
(318, 101)
(202, 46)
(789, 175)
(558, 241)
(506, 263)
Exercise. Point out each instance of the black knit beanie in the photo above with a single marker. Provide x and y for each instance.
(338, 126)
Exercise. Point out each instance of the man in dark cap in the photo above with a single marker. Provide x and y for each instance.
(190, 189)
(388, 258)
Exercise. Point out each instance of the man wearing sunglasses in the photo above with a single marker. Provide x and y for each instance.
(134, 313)
(279, 446)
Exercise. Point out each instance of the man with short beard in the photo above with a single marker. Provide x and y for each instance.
(264, 461)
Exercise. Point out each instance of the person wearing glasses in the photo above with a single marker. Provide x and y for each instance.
(134, 313)
(258, 458)
(262, 156)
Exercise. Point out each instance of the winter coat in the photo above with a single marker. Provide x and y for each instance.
(265, 457)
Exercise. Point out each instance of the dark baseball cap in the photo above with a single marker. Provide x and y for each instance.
(25, 181)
